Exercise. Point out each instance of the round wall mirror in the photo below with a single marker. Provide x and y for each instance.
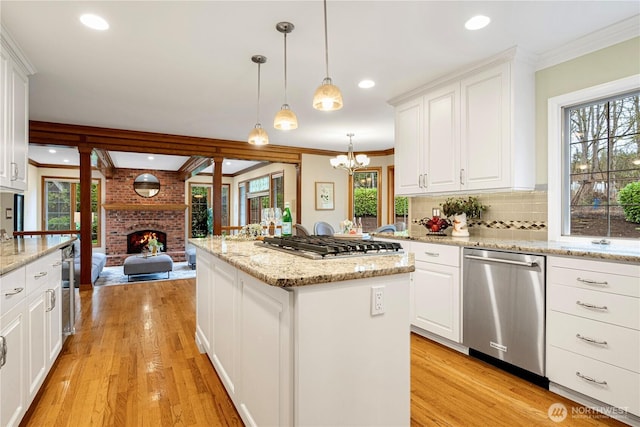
(146, 185)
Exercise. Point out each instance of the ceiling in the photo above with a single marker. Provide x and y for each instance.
(182, 67)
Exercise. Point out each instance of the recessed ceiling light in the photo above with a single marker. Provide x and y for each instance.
(94, 22)
(66, 160)
(52, 151)
(227, 163)
(477, 22)
(150, 157)
(366, 84)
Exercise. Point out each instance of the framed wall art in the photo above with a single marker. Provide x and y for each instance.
(325, 200)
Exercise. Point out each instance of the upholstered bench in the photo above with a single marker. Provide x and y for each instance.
(152, 264)
(191, 257)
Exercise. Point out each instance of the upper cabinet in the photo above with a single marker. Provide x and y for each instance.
(471, 133)
(14, 114)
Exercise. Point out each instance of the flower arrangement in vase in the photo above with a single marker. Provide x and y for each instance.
(459, 209)
(154, 246)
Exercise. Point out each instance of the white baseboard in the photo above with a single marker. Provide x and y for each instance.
(440, 340)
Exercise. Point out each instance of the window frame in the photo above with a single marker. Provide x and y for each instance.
(73, 201)
(557, 152)
(378, 170)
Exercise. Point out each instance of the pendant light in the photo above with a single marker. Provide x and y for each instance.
(285, 119)
(327, 96)
(258, 136)
(350, 162)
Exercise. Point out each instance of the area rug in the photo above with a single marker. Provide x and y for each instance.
(115, 276)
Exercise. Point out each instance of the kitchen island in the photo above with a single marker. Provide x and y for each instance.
(306, 342)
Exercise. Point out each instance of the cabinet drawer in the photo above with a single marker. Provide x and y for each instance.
(614, 344)
(437, 254)
(13, 289)
(622, 387)
(604, 277)
(40, 271)
(605, 307)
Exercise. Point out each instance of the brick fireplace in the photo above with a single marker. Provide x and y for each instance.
(126, 212)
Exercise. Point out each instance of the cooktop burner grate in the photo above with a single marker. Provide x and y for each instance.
(324, 246)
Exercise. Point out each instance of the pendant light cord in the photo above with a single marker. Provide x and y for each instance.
(285, 68)
(326, 40)
(258, 107)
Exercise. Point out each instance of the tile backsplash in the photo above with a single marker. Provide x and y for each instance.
(520, 215)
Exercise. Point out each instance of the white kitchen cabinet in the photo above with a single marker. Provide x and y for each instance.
(13, 338)
(204, 301)
(264, 354)
(14, 114)
(409, 148)
(435, 290)
(224, 343)
(44, 318)
(593, 330)
(475, 133)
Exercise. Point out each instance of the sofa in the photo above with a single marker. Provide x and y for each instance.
(98, 261)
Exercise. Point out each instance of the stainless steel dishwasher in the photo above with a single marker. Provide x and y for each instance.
(504, 307)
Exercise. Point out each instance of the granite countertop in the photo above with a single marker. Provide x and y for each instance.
(614, 252)
(281, 269)
(15, 253)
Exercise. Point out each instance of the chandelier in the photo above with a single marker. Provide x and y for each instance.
(349, 161)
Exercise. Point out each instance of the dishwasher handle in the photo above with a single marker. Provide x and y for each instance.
(503, 261)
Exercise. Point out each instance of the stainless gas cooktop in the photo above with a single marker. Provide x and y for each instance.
(326, 247)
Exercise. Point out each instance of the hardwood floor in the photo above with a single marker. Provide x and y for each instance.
(133, 362)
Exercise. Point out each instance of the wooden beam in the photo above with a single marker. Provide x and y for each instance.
(105, 163)
(144, 207)
(192, 166)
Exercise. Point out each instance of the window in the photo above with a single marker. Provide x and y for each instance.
(263, 192)
(366, 198)
(61, 206)
(201, 203)
(398, 207)
(595, 161)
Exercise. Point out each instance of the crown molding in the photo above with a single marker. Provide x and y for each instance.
(600, 39)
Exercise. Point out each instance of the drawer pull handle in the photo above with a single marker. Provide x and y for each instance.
(592, 282)
(433, 254)
(41, 274)
(595, 307)
(3, 351)
(14, 292)
(591, 340)
(591, 380)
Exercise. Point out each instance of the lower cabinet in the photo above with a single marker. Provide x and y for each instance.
(593, 330)
(31, 332)
(307, 355)
(13, 348)
(435, 290)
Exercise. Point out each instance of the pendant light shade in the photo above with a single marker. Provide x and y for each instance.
(285, 118)
(327, 96)
(258, 136)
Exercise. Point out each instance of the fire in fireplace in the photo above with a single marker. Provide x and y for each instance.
(138, 240)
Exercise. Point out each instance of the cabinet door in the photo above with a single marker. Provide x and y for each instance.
(485, 136)
(54, 321)
(225, 324)
(37, 341)
(435, 299)
(442, 139)
(265, 353)
(5, 155)
(204, 291)
(19, 134)
(12, 374)
(408, 148)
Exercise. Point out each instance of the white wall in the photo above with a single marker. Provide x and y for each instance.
(6, 201)
(317, 168)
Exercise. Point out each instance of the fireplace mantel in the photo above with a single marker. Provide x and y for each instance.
(144, 207)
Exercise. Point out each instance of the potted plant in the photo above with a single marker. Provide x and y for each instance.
(458, 209)
(154, 245)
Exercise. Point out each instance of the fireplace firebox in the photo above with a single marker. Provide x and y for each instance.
(138, 240)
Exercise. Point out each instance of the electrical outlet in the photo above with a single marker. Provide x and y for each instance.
(377, 300)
